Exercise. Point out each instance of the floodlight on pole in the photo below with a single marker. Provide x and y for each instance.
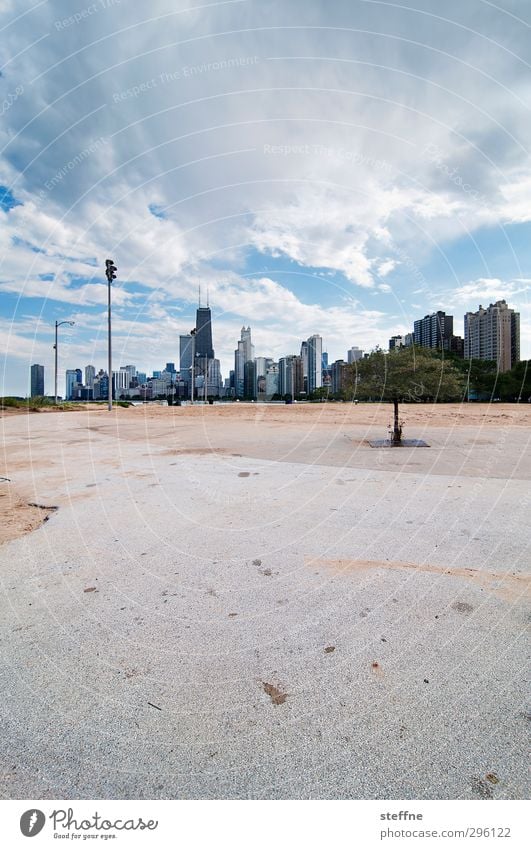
(110, 273)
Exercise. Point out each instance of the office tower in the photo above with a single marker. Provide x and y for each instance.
(315, 350)
(170, 367)
(123, 379)
(272, 387)
(131, 373)
(493, 334)
(261, 371)
(249, 380)
(185, 356)
(243, 354)
(324, 360)
(37, 380)
(249, 347)
(73, 377)
(215, 380)
(90, 374)
(104, 385)
(434, 331)
(239, 369)
(203, 336)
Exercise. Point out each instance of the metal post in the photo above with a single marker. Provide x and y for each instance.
(109, 339)
(55, 346)
(192, 334)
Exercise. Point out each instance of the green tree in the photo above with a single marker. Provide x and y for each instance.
(405, 374)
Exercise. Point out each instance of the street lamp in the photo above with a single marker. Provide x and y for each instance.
(110, 273)
(58, 324)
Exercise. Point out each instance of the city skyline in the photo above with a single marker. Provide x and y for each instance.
(489, 334)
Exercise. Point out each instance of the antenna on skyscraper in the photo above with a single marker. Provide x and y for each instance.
(208, 297)
(199, 294)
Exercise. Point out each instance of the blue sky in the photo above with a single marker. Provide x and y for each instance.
(337, 168)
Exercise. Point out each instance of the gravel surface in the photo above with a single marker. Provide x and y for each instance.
(253, 603)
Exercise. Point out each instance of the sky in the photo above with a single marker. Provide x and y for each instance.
(340, 168)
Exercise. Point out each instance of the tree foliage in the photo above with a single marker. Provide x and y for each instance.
(405, 374)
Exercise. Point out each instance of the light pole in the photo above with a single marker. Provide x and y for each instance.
(110, 272)
(58, 324)
(192, 334)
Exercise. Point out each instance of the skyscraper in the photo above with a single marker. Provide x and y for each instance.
(249, 380)
(493, 334)
(272, 375)
(90, 374)
(73, 377)
(243, 354)
(203, 336)
(249, 347)
(215, 381)
(185, 356)
(239, 369)
(261, 371)
(37, 380)
(304, 358)
(315, 352)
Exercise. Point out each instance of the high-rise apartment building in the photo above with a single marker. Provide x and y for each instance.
(37, 381)
(340, 371)
(493, 334)
(434, 331)
(290, 376)
(396, 342)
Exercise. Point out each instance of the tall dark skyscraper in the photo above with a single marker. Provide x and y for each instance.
(37, 380)
(203, 338)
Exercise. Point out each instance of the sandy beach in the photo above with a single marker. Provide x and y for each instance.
(248, 601)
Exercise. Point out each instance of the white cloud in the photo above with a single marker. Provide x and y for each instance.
(360, 155)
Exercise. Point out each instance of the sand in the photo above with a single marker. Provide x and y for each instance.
(248, 601)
